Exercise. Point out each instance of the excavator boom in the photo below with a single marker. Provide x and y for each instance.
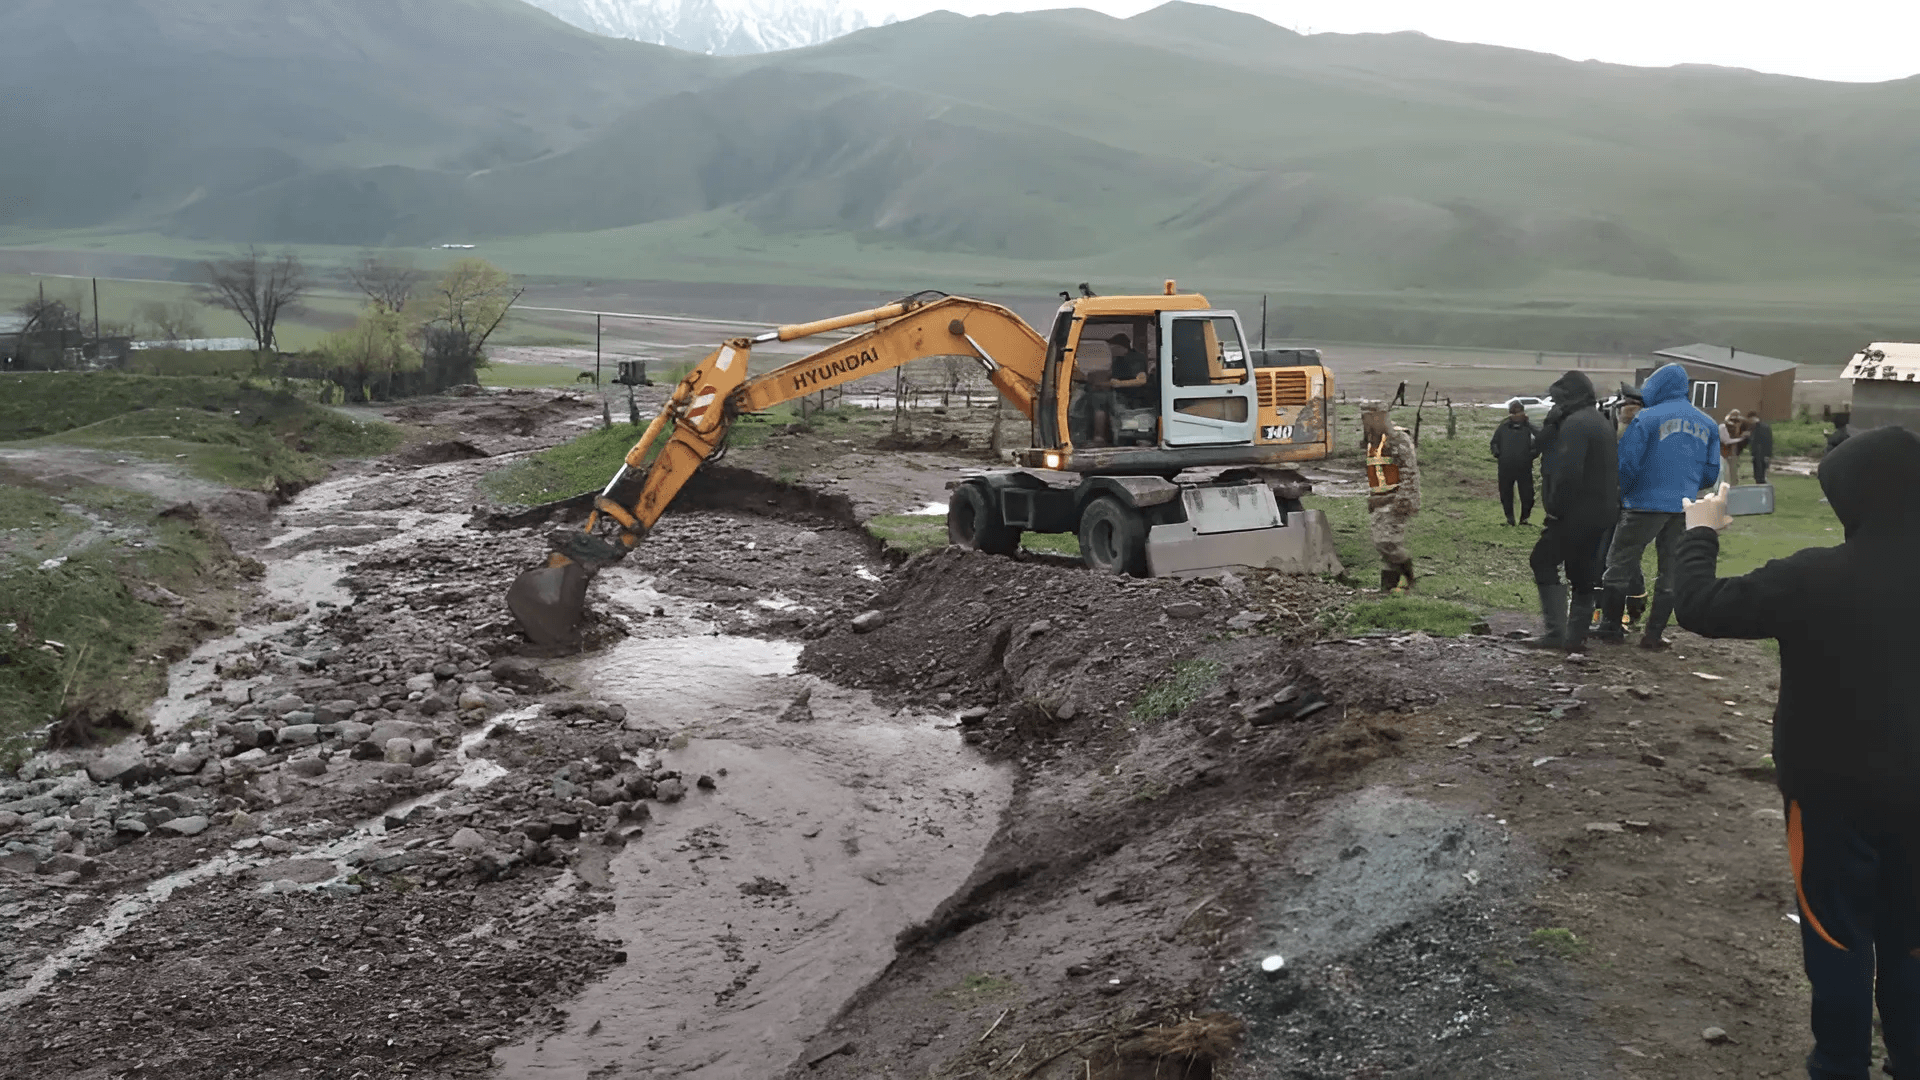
(549, 601)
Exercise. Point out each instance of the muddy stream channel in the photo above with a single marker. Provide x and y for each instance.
(749, 913)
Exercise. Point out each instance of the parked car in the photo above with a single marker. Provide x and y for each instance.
(1537, 408)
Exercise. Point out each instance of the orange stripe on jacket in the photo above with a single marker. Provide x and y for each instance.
(1797, 855)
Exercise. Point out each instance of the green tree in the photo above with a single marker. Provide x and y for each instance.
(370, 353)
(460, 312)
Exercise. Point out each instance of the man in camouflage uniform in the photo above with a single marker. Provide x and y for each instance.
(1393, 492)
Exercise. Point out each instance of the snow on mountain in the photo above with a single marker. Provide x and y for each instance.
(725, 27)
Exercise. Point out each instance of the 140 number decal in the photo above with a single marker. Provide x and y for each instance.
(1276, 432)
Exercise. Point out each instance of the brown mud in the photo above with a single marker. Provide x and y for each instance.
(804, 810)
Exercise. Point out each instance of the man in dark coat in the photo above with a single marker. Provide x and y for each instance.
(1580, 490)
(1760, 445)
(1846, 737)
(1512, 447)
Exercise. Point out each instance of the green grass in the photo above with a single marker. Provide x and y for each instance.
(589, 460)
(225, 430)
(1559, 941)
(1189, 680)
(1443, 618)
(85, 604)
(1470, 562)
(911, 533)
(535, 375)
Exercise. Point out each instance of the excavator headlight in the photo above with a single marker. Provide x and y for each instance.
(1052, 459)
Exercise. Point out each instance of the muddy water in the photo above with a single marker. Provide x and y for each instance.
(751, 913)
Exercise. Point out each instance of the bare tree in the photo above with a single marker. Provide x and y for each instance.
(51, 328)
(172, 323)
(389, 283)
(257, 288)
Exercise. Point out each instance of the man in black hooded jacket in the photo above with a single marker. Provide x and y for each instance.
(1846, 737)
(1580, 491)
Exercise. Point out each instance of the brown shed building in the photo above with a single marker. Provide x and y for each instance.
(1723, 378)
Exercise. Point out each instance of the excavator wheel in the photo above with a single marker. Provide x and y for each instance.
(1113, 538)
(973, 521)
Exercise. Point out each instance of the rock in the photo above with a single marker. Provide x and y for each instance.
(132, 826)
(121, 765)
(186, 761)
(68, 863)
(1716, 1036)
(350, 732)
(1653, 759)
(248, 734)
(869, 621)
(398, 748)
(1185, 609)
(299, 735)
(605, 792)
(1640, 693)
(800, 709)
(468, 840)
(309, 766)
(333, 712)
(424, 753)
(563, 826)
(471, 697)
(285, 704)
(9, 821)
(299, 716)
(186, 826)
(615, 712)
(975, 716)
(395, 772)
(705, 783)
(534, 829)
(518, 671)
(1247, 620)
(422, 683)
(1605, 827)
(255, 758)
(389, 728)
(670, 791)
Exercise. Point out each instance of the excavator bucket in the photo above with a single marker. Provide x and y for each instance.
(549, 602)
(1240, 525)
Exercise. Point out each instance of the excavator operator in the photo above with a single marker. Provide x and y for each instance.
(1133, 393)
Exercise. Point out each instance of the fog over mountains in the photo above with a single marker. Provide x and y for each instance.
(1186, 133)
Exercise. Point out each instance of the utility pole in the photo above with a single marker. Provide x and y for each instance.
(596, 348)
(1263, 321)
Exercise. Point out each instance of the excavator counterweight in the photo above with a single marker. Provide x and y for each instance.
(1158, 438)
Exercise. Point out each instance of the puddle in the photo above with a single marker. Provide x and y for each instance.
(932, 509)
(676, 681)
(754, 912)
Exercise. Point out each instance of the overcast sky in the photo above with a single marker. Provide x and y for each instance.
(1852, 40)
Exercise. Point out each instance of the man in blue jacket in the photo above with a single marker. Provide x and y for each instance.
(1670, 452)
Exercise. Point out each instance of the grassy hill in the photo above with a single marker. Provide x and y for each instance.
(1186, 137)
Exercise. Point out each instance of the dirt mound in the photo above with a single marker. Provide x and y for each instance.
(439, 453)
(936, 441)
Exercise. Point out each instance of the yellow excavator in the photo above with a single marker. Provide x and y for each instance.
(1158, 438)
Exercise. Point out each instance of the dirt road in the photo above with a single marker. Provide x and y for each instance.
(1022, 822)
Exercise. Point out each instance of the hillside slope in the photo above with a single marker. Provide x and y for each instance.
(1187, 134)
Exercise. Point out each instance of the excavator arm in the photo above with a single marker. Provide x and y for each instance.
(696, 419)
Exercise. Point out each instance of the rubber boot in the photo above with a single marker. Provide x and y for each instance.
(1579, 616)
(1406, 571)
(1636, 609)
(1656, 625)
(1553, 616)
(1613, 602)
(1389, 577)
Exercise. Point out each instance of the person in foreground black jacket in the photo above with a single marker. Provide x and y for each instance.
(1580, 491)
(1512, 447)
(1846, 736)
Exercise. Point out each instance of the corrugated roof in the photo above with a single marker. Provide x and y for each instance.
(1885, 361)
(1725, 356)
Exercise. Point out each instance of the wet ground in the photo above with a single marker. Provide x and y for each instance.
(1022, 822)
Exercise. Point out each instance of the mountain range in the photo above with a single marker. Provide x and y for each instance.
(719, 27)
(1187, 135)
